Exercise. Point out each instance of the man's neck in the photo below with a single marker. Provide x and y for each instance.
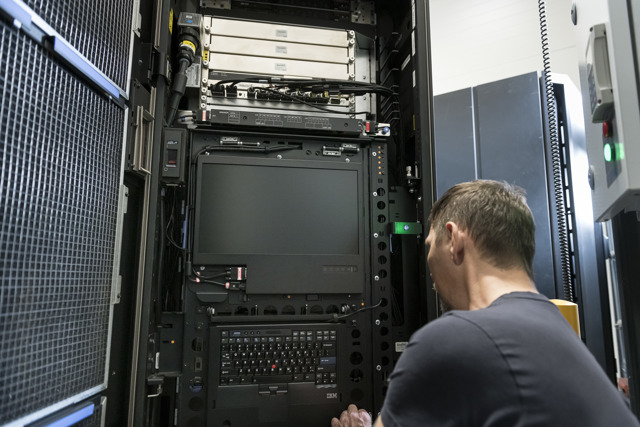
(490, 283)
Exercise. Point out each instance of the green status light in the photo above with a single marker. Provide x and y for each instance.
(407, 228)
(613, 151)
(608, 155)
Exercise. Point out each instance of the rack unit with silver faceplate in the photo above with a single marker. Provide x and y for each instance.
(234, 49)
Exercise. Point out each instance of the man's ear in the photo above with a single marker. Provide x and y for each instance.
(456, 242)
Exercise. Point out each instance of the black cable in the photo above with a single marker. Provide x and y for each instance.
(198, 281)
(336, 317)
(245, 148)
(177, 90)
(196, 278)
(294, 99)
(213, 282)
(170, 223)
(556, 160)
(200, 276)
(305, 83)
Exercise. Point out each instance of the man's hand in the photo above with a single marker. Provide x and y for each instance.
(352, 417)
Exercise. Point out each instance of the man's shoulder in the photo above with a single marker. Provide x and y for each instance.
(455, 320)
(445, 324)
(455, 329)
(508, 312)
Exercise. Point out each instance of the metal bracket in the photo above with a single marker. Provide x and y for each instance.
(116, 287)
(363, 12)
(116, 290)
(143, 141)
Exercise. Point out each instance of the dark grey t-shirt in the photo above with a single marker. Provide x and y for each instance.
(514, 363)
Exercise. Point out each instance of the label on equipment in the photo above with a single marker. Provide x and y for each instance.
(401, 346)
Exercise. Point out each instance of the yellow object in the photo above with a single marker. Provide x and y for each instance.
(171, 21)
(570, 312)
(188, 44)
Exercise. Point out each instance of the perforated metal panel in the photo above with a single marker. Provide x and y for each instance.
(60, 145)
(99, 30)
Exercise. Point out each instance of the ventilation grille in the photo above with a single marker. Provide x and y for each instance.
(99, 30)
(60, 145)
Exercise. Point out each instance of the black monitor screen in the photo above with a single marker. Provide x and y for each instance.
(298, 225)
(252, 209)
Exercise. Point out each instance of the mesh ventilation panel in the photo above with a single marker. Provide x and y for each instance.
(60, 146)
(99, 30)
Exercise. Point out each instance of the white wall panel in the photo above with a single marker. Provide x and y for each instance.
(476, 42)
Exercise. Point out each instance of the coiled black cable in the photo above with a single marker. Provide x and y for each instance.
(556, 159)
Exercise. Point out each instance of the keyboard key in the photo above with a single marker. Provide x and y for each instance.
(326, 368)
(272, 379)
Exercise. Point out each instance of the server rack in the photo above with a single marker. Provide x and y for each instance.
(238, 98)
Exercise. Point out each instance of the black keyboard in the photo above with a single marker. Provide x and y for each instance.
(269, 355)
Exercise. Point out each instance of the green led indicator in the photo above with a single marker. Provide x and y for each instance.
(407, 228)
(607, 152)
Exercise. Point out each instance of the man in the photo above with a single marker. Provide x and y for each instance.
(504, 355)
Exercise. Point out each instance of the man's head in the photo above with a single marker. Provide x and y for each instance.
(495, 215)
